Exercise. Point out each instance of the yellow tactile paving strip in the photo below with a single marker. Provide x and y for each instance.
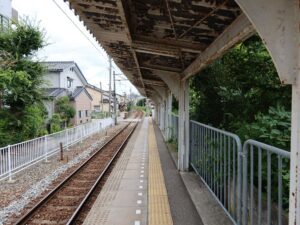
(158, 204)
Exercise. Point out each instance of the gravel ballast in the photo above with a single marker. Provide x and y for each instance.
(33, 182)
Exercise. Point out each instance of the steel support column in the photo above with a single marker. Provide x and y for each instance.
(168, 116)
(162, 121)
(158, 115)
(183, 126)
(294, 212)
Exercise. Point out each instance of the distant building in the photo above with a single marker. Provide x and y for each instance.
(122, 102)
(105, 102)
(97, 95)
(66, 79)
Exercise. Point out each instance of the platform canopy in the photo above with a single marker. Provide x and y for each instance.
(154, 40)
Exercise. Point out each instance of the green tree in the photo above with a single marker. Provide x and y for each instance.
(65, 110)
(241, 92)
(22, 114)
(238, 87)
(55, 123)
(141, 102)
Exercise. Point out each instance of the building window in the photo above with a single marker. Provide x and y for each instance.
(86, 113)
(69, 82)
(4, 23)
(97, 108)
(79, 113)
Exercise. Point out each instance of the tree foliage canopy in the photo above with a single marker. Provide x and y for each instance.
(141, 102)
(241, 91)
(64, 108)
(21, 112)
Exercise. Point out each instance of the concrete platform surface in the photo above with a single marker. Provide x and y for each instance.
(123, 199)
(145, 187)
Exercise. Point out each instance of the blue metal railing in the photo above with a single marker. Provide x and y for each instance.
(246, 180)
(264, 179)
(214, 157)
(174, 127)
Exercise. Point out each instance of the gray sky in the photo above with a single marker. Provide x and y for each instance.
(66, 43)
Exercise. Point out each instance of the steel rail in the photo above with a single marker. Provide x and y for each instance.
(24, 219)
(80, 207)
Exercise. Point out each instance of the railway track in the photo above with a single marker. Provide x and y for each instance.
(65, 202)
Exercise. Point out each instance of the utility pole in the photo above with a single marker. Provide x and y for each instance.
(109, 98)
(115, 99)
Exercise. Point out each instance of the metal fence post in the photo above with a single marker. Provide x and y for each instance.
(9, 164)
(67, 137)
(46, 148)
(81, 134)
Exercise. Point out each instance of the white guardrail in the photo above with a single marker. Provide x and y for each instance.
(14, 158)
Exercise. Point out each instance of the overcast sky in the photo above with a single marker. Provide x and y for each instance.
(66, 43)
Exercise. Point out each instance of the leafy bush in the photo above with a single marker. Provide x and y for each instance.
(55, 123)
(21, 112)
(64, 108)
(273, 128)
(241, 93)
(23, 126)
(141, 102)
(238, 86)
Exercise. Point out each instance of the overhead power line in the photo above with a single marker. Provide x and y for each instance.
(78, 28)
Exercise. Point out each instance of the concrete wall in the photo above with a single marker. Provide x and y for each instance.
(59, 79)
(52, 80)
(96, 95)
(69, 73)
(82, 103)
(105, 107)
(5, 8)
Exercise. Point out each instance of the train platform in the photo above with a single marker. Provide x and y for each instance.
(144, 187)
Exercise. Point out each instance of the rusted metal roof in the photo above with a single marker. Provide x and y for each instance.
(147, 38)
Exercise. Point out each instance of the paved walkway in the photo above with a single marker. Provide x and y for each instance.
(123, 199)
(139, 190)
(182, 208)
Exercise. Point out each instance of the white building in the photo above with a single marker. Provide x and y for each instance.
(7, 13)
(6, 9)
(66, 79)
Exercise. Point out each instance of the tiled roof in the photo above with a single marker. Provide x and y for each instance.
(53, 92)
(58, 65)
(78, 90)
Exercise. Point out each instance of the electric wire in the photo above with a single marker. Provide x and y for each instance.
(78, 28)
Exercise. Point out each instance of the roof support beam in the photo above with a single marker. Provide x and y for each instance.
(182, 45)
(173, 82)
(212, 12)
(149, 66)
(155, 49)
(127, 30)
(154, 82)
(162, 91)
(162, 72)
(238, 31)
(171, 18)
(277, 24)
